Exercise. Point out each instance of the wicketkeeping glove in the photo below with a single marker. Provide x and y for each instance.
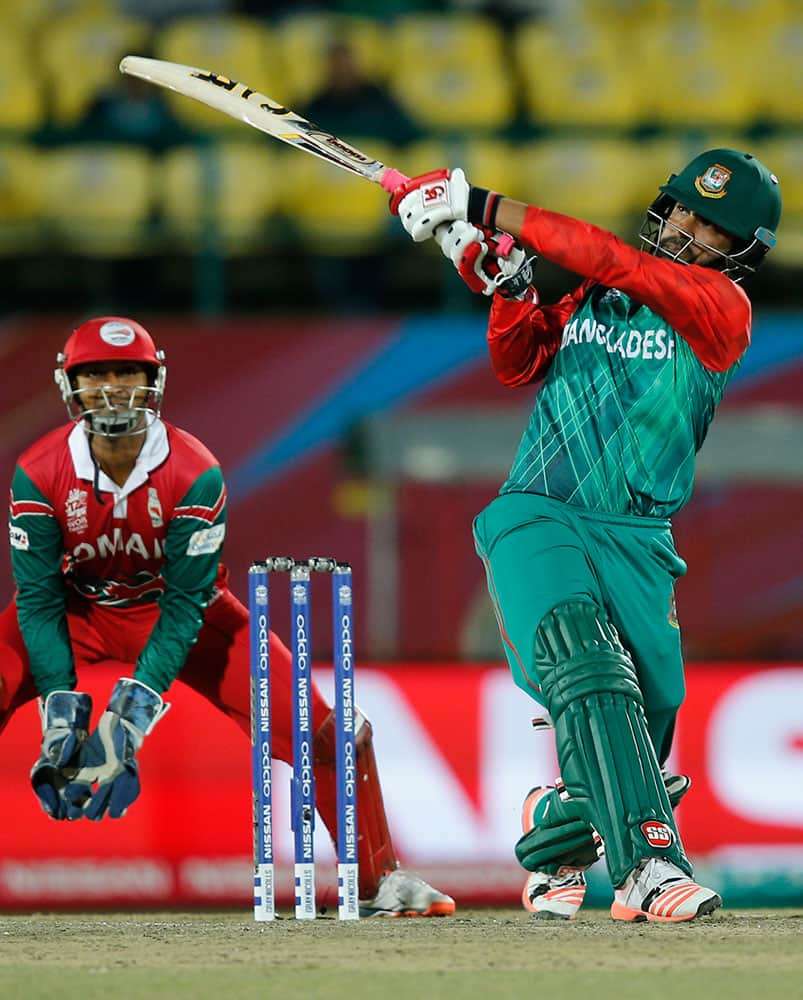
(65, 722)
(108, 756)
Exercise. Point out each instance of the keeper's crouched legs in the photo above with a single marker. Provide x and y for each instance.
(375, 853)
(607, 760)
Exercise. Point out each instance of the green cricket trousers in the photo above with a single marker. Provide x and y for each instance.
(539, 552)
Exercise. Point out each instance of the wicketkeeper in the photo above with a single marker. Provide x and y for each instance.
(577, 546)
(117, 522)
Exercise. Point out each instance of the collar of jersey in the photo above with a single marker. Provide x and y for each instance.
(154, 451)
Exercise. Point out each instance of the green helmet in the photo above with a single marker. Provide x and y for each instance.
(733, 190)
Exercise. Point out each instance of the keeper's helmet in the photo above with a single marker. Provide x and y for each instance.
(112, 340)
(733, 190)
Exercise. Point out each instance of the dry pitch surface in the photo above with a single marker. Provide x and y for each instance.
(755, 954)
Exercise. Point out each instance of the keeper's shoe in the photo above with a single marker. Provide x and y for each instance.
(659, 891)
(554, 897)
(401, 894)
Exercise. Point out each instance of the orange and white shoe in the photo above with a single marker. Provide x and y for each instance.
(554, 897)
(401, 894)
(549, 897)
(659, 891)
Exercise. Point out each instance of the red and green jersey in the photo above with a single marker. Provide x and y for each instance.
(634, 363)
(154, 541)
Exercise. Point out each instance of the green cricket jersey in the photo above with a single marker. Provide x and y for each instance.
(635, 362)
(624, 409)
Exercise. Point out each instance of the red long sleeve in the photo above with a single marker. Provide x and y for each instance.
(523, 338)
(705, 307)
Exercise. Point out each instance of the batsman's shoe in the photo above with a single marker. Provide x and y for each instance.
(554, 897)
(549, 897)
(658, 890)
(401, 894)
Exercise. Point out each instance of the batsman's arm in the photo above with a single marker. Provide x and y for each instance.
(524, 337)
(708, 310)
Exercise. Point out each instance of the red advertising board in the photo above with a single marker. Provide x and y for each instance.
(457, 753)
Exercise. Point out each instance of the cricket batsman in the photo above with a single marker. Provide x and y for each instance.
(117, 521)
(577, 546)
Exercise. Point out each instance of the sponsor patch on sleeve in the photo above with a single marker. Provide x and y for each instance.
(18, 538)
(206, 541)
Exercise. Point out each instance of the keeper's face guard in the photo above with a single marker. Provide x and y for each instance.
(740, 261)
(113, 410)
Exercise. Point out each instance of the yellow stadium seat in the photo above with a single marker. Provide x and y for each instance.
(225, 194)
(613, 15)
(21, 183)
(304, 39)
(80, 54)
(429, 154)
(22, 106)
(418, 40)
(776, 70)
(492, 163)
(36, 14)
(333, 211)
(591, 179)
(238, 47)
(693, 74)
(573, 77)
(456, 97)
(745, 15)
(449, 72)
(99, 198)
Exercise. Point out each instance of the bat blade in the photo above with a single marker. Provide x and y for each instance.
(240, 101)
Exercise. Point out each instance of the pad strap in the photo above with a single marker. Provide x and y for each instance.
(561, 837)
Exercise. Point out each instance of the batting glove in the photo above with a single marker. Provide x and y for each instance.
(466, 247)
(65, 723)
(108, 757)
(514, 280)
(483, 271)
(424, 202)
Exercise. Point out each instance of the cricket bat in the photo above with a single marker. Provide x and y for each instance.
(261, 112)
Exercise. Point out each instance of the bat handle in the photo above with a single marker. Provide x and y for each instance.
(391, 179)
(500, 246)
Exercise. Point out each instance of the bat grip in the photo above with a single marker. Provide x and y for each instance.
(499, 246)
(391, 179)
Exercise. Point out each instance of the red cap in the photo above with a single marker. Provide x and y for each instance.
(110, 338)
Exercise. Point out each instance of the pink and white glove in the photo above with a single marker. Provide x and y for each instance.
(425, 202)
(468, 249)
